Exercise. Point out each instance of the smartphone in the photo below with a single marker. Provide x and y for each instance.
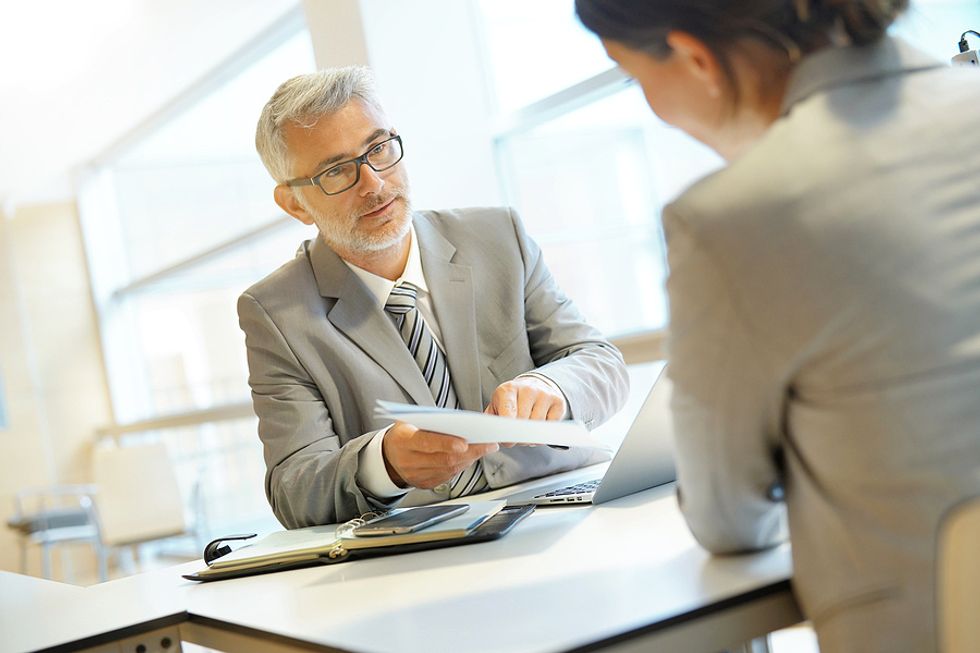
(409, 520)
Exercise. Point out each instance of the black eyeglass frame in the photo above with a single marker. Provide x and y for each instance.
(358, 161)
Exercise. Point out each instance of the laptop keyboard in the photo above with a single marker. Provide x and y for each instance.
(580, 488)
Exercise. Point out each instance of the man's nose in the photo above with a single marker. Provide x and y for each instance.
(371, 181)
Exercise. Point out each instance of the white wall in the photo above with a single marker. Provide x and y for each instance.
(52, 364)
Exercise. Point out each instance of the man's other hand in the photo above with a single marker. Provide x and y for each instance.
(423, 459)
(527, 397)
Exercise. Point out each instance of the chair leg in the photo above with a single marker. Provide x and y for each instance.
(125, 558)
(23, 555)
(46, 560)
(137, 553)
(102, 555)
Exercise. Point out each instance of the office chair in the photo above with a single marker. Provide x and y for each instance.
(135, 499)
(958, 579)
(138, 498)
(54, 515)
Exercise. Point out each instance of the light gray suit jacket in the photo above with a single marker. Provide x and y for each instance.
(825, 332)
(321, 352)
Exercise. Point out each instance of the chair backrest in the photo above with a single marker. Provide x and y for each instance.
(138, 497)
(959, 579)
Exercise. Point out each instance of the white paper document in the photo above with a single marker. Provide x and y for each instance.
(482, 428)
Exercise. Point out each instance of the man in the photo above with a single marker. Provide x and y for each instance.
(447, 308)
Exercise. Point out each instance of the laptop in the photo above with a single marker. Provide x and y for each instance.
(644, 460)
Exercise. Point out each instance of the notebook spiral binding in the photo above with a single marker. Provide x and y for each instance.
(347, 529)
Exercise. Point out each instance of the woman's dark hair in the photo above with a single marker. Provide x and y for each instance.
(793, 26)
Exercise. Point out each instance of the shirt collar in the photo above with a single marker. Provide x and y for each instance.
(380, 288)
(840, 66)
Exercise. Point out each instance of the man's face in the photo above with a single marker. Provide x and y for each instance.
(373, 215)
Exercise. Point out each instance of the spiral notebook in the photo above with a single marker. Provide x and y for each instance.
(316, 545)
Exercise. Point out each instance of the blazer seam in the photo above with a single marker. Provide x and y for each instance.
(285, 342)
(732, 526)
(752, 334)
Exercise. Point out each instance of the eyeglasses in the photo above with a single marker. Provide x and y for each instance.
(345, 175)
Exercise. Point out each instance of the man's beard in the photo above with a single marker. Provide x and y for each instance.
(346, 235)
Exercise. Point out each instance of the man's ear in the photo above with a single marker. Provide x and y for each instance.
(700, 61)
(287, 201)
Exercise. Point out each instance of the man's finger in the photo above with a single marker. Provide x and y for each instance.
(556, 411)
(526, 399)
(430, 442)
(483, 449)
(505, 401)
(541, 407)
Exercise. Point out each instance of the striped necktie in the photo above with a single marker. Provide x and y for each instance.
(402, 305)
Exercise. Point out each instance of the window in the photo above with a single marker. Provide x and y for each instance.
(585, 161)
(177, 224)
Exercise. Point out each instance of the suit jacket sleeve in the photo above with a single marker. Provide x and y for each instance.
(311, 477)
(727, 404)
(589, 370)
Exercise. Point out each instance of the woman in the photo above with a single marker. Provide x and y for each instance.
(824, 291)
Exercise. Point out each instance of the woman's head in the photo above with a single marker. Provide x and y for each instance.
(701, 63)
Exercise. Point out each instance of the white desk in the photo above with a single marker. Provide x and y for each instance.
(623, 576)
(37, 614)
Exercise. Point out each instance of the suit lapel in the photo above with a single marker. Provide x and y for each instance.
(451, 288)
(357, 315)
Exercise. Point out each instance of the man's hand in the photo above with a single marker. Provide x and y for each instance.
(423, 459)
(527, 397)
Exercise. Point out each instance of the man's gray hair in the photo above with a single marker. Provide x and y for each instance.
(303, 100)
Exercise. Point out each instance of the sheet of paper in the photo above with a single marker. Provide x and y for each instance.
(482, 428)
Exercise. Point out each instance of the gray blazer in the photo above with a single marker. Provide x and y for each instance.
(825, 332)
(321, 352)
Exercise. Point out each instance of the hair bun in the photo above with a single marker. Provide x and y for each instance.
(865, 21)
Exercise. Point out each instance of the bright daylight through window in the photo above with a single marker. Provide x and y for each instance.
(181, 220)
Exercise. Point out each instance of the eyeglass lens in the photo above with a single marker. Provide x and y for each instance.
(343, 176)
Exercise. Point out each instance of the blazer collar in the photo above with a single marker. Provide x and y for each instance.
(840, 66)
(454, 303)
(432, 244)
(451, 287)
(331, 273)
(356, 313)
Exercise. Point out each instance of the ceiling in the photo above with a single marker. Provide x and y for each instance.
(77, 77)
